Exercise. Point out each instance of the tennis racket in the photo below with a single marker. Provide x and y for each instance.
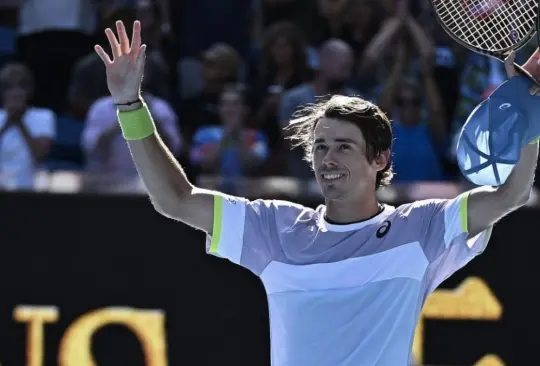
(490, 27)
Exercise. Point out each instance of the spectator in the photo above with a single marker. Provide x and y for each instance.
(379, 55)
(419, 142)
(26, 132)
(283, 66)
(109, 163)
(450, 58)
(220, 66)
(230, 149)
(53, 35)
(331, 78)
(362, 21)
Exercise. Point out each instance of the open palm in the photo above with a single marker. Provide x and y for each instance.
(125, 70)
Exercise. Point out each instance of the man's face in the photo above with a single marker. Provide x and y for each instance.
(340, 161)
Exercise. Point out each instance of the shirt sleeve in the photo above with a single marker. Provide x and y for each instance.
(98, 120)
(248, 232)
(446, 242)
(46, 126)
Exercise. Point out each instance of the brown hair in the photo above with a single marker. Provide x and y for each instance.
(293, 35)
(368, 117)
(228, 59)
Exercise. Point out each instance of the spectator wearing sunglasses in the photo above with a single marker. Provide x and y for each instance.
(418, 122)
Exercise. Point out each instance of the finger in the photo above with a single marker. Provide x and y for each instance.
(103, 55)
(115, 46)
(535, 57)
(509, 65)
(123, 37)
(141, 58)
(136, 38)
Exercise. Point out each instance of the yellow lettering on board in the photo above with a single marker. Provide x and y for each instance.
(147, 325)
(36, 317)
(472, 300)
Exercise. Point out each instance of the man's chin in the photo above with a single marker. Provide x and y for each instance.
(333, 193)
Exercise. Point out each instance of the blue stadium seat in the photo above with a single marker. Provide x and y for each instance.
(7, 40)
(7, 44)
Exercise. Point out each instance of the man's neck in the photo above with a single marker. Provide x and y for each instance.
(347, 212)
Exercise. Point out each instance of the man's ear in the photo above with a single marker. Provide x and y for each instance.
(382, 160)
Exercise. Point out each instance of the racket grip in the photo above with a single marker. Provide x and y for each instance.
(524, 72)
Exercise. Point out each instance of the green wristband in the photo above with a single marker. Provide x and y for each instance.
(534, 141)
(137, 124)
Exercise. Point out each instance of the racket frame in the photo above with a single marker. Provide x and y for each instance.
(501, 55)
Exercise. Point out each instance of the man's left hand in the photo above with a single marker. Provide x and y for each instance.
(532, 66)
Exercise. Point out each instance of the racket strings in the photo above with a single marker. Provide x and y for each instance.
(491, 25)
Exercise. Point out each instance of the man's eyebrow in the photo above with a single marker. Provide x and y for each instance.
(346, 140)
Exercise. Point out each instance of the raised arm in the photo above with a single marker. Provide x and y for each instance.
(382, 41)
(168, 187)
(486, 205)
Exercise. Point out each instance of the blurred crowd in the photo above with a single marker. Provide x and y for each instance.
(223, 78)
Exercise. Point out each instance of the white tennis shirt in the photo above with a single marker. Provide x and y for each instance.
(347, 295)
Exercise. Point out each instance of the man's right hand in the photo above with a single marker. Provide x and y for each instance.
(125, 70)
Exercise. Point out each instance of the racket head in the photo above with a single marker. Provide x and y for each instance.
(489, 27)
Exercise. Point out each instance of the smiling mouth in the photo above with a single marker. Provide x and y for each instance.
(332, 177)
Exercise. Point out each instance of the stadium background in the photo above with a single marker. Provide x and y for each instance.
(91, 275)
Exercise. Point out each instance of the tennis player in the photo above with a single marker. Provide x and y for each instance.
(345, 282)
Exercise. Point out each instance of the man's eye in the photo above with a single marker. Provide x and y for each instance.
(344, 147)
(320, 147)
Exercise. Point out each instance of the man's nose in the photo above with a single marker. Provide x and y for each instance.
(328, 160)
